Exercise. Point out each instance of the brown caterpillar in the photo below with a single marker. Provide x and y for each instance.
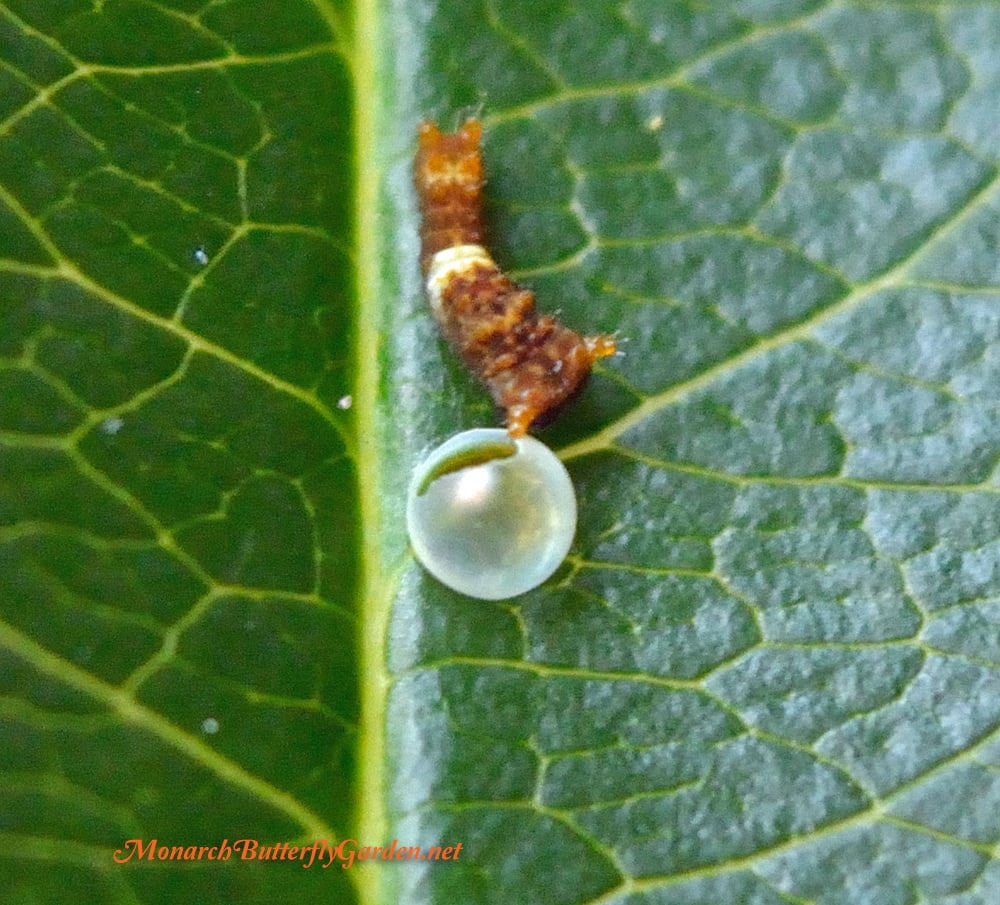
(530, 363)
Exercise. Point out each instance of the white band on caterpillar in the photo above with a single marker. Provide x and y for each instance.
(449, 261)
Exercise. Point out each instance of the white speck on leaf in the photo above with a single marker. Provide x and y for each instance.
(210, 725)
(112, 425)
(345, 402)
(200, 255)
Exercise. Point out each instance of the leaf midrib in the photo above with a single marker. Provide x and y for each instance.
(373, 602)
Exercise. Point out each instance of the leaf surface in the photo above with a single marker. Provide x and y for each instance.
(769, 671)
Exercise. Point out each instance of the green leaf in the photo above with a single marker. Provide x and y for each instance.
(769, 671)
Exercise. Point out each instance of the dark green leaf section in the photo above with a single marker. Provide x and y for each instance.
(769, 671)
(179, 525)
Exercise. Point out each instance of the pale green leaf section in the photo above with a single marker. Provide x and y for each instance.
(769, 671)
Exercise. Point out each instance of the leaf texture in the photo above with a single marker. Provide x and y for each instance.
(769, 671)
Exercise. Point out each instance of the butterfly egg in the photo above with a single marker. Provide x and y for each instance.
(490, 516)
